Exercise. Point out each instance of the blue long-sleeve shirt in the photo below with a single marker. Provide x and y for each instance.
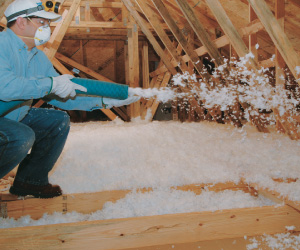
(25, 75)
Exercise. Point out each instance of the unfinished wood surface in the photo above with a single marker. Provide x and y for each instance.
(277, 35)
(149, 35)
(63, 70)
(87, 203)
(133, 65)
(212, 50)
(239, 46)
(153, 230)
(54, 35)
(283, 122)
(200, 31)
(184, 45)
(145, 65)
(157, 25)
(279, 61)
(3, 5)
(81, 67)
(295, 2)
(240, 243)
(193, 57)
(253, 37)
(62, 30)
(219, 43)
(155, 103)
(230, 31)
(93, 74)
(275, 196)
(95, 4)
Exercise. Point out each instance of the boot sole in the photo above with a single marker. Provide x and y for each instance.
(22, 192)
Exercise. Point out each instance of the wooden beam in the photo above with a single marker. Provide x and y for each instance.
(193, 57)
(95, 4)
(275, 196)
(200, 31)
(145, 64)
(282, 122)
(280, 65)
(157, 25)
(295, 2)
(205, 39)
(253, 37)
(102, 24)
(63, 70)
(154, 104)
(95, 24)
(87, 11)
(50, 52)
(91, 202)
(277, 35)
(230, 31)
(279, 61)
(82, 68)
(289, 126)
(133, 65)
(95, 75)
(3, 6)
(239, 46)
(153, 230)
(267, 63)
(149, 35)
(219, 43)
(55, 33)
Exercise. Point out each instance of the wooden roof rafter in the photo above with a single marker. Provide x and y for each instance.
(143, 25)
(172, 49)
(242, 50)
(277, 35)
(295, 2)
(3, 5)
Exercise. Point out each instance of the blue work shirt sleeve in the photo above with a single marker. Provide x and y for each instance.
(84, 103)
(14, 87)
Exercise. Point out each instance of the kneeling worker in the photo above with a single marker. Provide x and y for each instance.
(25, 74)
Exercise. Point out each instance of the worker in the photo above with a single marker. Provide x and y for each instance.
(33, 138)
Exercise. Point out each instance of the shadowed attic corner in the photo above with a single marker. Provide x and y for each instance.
(201, 51)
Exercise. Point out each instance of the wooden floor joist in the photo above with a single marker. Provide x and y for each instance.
(153, 230)
(86, 203)
(185, 229)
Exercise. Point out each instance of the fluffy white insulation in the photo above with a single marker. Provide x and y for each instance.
(115, 155)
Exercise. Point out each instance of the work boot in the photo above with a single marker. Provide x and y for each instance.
(45, 191)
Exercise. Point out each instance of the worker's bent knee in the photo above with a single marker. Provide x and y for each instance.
(16, 139)
(25, 139)
(22, 141)
(61, 120)
(16, 136)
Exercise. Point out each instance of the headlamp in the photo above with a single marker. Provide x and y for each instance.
(51, 6)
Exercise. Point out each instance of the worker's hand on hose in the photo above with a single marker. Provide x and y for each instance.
(63, 87)
(108, 103)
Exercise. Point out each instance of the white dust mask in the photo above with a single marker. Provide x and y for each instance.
(42, 35)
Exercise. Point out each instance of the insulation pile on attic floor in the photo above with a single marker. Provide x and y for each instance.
(152, 158)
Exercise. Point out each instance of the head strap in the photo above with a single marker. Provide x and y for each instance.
(26, 12)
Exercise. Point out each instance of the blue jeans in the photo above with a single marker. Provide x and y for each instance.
(44, 131)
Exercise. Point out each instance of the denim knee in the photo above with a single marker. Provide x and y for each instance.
(25, 139)
(62, 121)
(15, 142)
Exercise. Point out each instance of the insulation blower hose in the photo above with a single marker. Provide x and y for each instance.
(94, 88)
